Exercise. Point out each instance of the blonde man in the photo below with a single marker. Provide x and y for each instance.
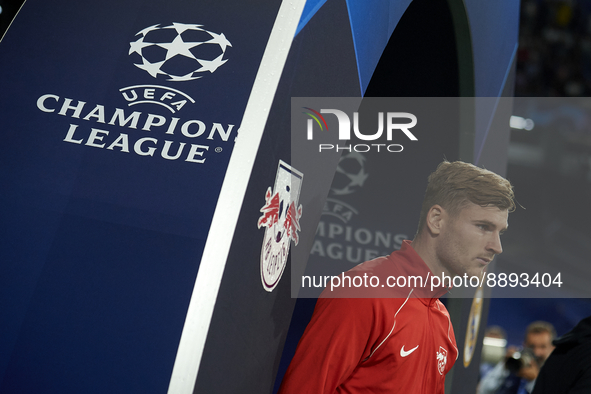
(400, 339)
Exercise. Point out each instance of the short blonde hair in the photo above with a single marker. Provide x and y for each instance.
(454, 184)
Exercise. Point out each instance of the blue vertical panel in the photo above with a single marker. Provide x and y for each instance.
(494, 27)
(118, 120)
(372, 23)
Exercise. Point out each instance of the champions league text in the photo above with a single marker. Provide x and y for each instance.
(434, 282)
(142, 143)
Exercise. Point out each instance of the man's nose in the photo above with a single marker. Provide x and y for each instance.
(494, 244)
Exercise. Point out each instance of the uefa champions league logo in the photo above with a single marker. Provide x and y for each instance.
(178, 52)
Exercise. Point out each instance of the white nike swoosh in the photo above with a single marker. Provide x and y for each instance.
(404, 354)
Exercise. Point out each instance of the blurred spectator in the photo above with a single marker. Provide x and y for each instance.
(568, 369)
(518, 372)
(494, 348)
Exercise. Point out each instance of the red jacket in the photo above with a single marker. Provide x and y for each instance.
(376, 345)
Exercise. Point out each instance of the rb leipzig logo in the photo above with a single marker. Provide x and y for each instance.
(281, 219)
(441, 360)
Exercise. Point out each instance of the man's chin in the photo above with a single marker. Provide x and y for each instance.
(478, 272)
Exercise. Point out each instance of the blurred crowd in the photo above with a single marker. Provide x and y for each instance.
(554, 54)
(543, 364)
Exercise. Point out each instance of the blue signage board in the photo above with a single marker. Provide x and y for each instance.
(118, 120)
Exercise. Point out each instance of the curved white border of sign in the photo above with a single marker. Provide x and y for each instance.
(225, 217)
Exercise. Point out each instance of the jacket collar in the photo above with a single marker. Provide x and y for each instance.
(408, 263)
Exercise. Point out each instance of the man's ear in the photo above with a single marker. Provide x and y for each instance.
(434, 219)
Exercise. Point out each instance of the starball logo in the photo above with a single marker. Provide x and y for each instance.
(179, 52)
(390, 122)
